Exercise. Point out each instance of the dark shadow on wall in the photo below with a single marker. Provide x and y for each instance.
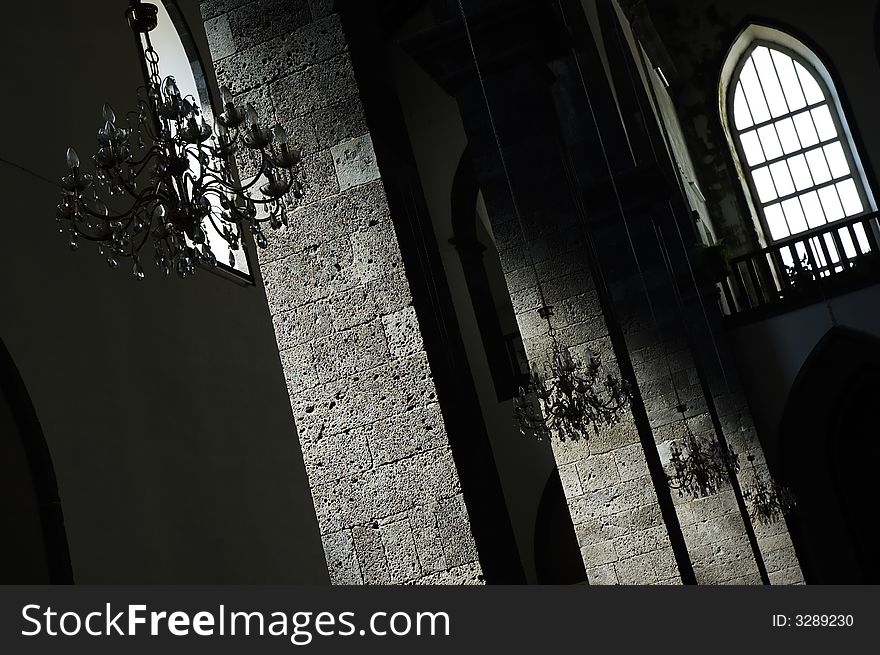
(486, 285)
(557, 555)
(828, 448)
(33, 547)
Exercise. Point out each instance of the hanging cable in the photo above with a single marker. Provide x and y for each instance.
(30, 172)
(503, 159)
(643, 115)
(572, 396)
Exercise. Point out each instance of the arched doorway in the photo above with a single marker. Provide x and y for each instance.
(828, 446)
(33, 549)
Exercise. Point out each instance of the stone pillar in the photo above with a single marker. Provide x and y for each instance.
(671, 326)
(385, 488)
(612, 497)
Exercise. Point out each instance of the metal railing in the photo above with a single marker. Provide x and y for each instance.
(803, 266)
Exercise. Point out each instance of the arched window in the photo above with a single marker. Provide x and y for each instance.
(793, 143)
(179, 58)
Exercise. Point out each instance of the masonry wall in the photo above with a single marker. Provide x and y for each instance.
(611, 497)
(685, 356)
(439, 143)
(384, 484)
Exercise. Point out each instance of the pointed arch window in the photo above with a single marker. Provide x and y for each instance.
(179, 58)
(793, 144)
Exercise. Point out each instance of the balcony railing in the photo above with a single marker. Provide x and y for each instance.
(804, 268)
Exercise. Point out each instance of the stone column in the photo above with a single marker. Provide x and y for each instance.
(612, 496)
(385, 488)
(670, 324)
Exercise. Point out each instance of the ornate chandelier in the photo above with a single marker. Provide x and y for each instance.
(769, 501)
(702, 466)
(568, 398)
(163, 176)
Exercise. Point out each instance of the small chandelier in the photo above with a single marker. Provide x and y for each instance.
(163, 176)
(568, 398)
(769, 501)
(702, 467)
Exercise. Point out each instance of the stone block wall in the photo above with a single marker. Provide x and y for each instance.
(611, 496)
(774, 540)
(384, 485)
(713, 526)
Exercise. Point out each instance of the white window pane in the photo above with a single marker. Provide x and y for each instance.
(790, 85)
(787, 259)
(769, 81)
(831, 203)
(818, 166)
(848, 247)
(836, 159)
(813, 209)
(794, 215)
(824, 123)
(812, 90)
(770, 142)
(800, 172)
(782, 178)
(818, 253)
(742, 118)
(806, 130)
(776, 222)
(801, 250)
(752, 148)
(754, 95)
(788, 136)
(764, 184)
(849, 196)
(862, 237)
(831, 248)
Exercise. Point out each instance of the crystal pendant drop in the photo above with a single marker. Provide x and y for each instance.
(74, 241)
(231, 258)
(112, 262)
(137, 270)
(100, 208)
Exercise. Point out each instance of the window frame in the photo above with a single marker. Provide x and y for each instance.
(208, 95)
(844, 137)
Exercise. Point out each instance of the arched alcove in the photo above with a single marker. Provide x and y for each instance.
(486, 284)
(827, 449)
(33, 549)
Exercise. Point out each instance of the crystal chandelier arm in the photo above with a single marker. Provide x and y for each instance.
(222, 233)
(88, 236)
(217, 173)
(265, 202)
(247, 187)
(108, 216)
(148, 156)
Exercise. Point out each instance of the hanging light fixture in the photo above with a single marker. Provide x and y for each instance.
(162, 175)
(769, 501)
(569, 398)
(702, 466)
